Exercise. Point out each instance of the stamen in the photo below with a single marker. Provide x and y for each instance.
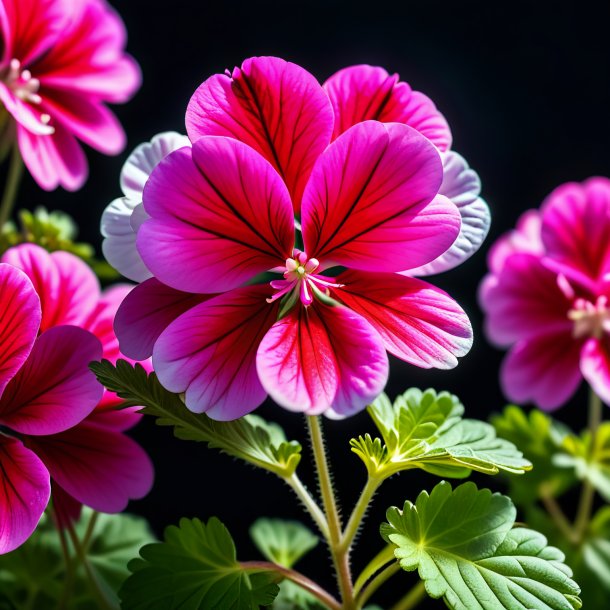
(590, 319)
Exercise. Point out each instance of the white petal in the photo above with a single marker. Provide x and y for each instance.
(145, 158)
(119, 245)
(138, 216)
(462, 185)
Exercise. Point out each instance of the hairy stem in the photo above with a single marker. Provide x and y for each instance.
(11, 187)
(310, 504)
(355, 520)
(412, 598)
(374, 584)
(296, 577)
(339, 555)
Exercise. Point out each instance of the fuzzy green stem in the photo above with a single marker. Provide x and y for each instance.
(412, 598)
(310, 504)
(355, 521)
(376, 582)
(587, 495)
(296, 577)
(339, 556)
(11, 187)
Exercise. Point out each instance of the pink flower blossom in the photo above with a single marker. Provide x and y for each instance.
(546, 297)
(89, 458)
(61, 63)
(223, 212)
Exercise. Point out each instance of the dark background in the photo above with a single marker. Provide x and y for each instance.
(525, 88)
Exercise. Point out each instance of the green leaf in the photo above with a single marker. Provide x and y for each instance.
(292, 597)
(426, 430)
(283, 542)
(541, 439)
(249, 438)
(196, 567)
(462, 543)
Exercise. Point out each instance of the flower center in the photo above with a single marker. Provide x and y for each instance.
(300, 281)
(590, 319)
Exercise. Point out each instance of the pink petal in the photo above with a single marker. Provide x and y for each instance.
(220, 215)
(543, 369)
(98, 466)
(115, 419)
(372, 203)
(595, 366)
(19, 321)
(66, 509)
(55, 160)
(209, 353)
(274, 106)
(576, 228)
(418, 322)
(322, 359)
(68, 288)
(361, 93)
(462, 186)
(525, 300)
(24, 113)
(146, 312)
(54, 389)
(24, 493)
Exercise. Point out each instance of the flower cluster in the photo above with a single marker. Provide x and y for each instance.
(547, 297)
(345, 190)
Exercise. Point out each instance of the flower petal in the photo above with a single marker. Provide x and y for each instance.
(68, 289)
(418, 322)
(66, 509)
(526, 299)
(209, 353)
(98, 466)
(274, 106)
(323, 359)
(19, 321)
(595, 366)
(372, 203)
(24, 493)
(220, 215)
(54, 389)
(362, 93)
(26, 115)
(543, 369)
(462, 186)
(146, 312)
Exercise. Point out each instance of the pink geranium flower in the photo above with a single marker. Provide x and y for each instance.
(547, 297)
(92, 461)
(223, 212)
(61, 63)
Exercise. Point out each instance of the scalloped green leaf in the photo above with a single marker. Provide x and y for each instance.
(196, 567)
(282, 542)
(426, 430)
(249, 438)
(463, 544)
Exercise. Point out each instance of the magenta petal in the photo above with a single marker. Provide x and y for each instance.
(543, 369)
(68, 288)
(146, 312)
(323, 359)
(220, 215)
(274, 106)
(24, 493)
(362, 93)
(595, 366)
(576, 228)
(98, 466)
(19, 321)
(372, 203)
(209, 353)
(66, 509)
(54, 389)
(418, 322)
(525, 299)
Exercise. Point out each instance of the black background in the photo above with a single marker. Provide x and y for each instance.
(525, 87)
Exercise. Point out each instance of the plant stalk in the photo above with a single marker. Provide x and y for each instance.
(376, 582)
(355, 521)
(412, 598)
(310, 504)
(11, 187)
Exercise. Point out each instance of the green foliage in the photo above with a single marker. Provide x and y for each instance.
(464, 546)
(292, 597)
(196, 567)
(283, 542)
(35, 573)
(249, 438)
(542, 441)
(426, 430)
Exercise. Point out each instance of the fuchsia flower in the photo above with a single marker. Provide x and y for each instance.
(61, 62)
(220, 214)
(547, 297)
(58, 418)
